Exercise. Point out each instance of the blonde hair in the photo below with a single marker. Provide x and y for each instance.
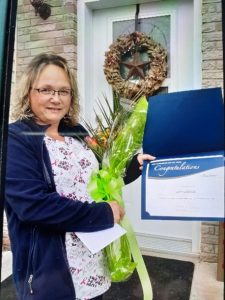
(22, 109)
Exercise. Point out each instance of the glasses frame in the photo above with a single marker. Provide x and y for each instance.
(52, 92)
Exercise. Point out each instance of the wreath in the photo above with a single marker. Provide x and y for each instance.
(135, 42)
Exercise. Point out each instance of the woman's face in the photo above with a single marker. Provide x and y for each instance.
(49, 106)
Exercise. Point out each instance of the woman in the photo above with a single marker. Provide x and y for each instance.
(48, 168)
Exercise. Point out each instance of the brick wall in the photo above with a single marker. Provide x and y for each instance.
(212, 76)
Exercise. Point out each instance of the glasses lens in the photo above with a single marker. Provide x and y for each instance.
(45, 91)
(65, 93)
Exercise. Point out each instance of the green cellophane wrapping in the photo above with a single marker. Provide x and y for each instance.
(123, 255)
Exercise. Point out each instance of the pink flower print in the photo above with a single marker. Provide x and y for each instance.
(64, 165)
(73, 235)
(95, 280)
(84, 163)
(72, 196)
(83, 282)
(67, 154)
(79, 178)
(54, 163)
(75, 270)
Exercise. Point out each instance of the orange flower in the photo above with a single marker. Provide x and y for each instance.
(92, 143)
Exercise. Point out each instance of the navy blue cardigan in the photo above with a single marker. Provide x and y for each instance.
(38, 217)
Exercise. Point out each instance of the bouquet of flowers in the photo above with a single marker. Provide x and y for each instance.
(115, 144)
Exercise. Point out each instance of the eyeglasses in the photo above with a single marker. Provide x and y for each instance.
(47, 91)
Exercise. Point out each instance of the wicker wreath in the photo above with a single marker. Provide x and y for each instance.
(135, 41)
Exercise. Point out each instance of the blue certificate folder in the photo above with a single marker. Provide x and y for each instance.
(185, 131)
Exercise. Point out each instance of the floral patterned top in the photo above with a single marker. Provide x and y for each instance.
(72, 163)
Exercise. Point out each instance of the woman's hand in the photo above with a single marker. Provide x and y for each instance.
(141, 157)
(118, 211)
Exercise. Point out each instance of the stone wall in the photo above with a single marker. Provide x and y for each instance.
(209, 241)
(34, 35)
(212, 48)
(212, 76)
(57, 33)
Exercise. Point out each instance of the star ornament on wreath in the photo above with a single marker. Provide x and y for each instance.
(144, 76)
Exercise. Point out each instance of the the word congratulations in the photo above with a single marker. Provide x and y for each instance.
(184, 166)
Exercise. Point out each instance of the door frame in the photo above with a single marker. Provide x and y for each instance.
(85, 73)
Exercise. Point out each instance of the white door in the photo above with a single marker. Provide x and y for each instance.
(172, 24)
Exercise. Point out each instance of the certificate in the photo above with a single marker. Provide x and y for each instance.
(184, 188)
(185, 131)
